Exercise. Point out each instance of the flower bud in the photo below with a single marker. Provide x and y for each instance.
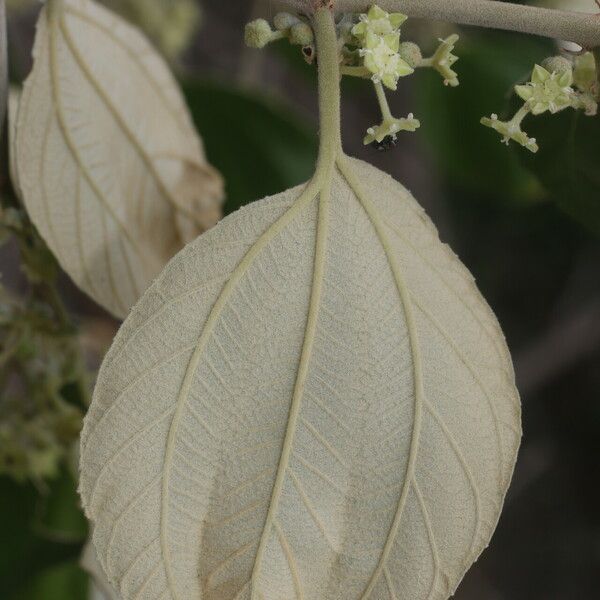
(258, 33)
(443, 59)
(411, 53)
(557, 64)
(284, 21)
(547, 91)
(301, 34)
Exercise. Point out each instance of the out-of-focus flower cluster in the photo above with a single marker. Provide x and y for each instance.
(42, 381)
(298, 32)
(170, 23)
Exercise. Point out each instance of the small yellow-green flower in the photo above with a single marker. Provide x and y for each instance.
(511, 130)
(378, 22)
(443, 59)
(547, 91)
(389, 128)
(381, 58)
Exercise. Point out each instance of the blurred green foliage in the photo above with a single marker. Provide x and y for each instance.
(42, 379)
(66, 580)
(43, 531)
(566, 170)
(568, 163)
(43, 396)
(260, 147)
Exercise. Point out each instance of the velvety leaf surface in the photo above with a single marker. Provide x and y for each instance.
(101, 588)
(312, 401)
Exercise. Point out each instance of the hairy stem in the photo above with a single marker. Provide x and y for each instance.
(582, 28)
(520, 115)
(386, 113)
(329, 89)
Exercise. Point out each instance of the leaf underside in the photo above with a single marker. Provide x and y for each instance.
(109, 165)
(312, 401)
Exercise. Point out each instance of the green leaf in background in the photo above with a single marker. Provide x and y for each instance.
(39, 532)
(470, 157)
(59, 516)
(66, 581)
(260, 147)
(293, 59)
(568, 162)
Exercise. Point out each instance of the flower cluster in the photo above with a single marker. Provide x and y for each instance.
(170, 23)
(555, 85)
(43, 382)
(511, 130)
(378, 38)
(378, 22)
(443, 59)
(385, 135)
(370, 48)
(547, 91)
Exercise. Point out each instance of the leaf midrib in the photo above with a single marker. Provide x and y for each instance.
(307, 196)
(371, 211)
(51, 32)
(165, 194)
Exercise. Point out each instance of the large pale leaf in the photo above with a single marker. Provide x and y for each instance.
(312, 401)
(109, 165)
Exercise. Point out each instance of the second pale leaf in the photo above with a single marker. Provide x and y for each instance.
(110, 167)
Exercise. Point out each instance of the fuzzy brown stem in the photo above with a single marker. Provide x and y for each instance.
(582, 28)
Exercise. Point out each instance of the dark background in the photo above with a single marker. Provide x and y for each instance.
(527, 227)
